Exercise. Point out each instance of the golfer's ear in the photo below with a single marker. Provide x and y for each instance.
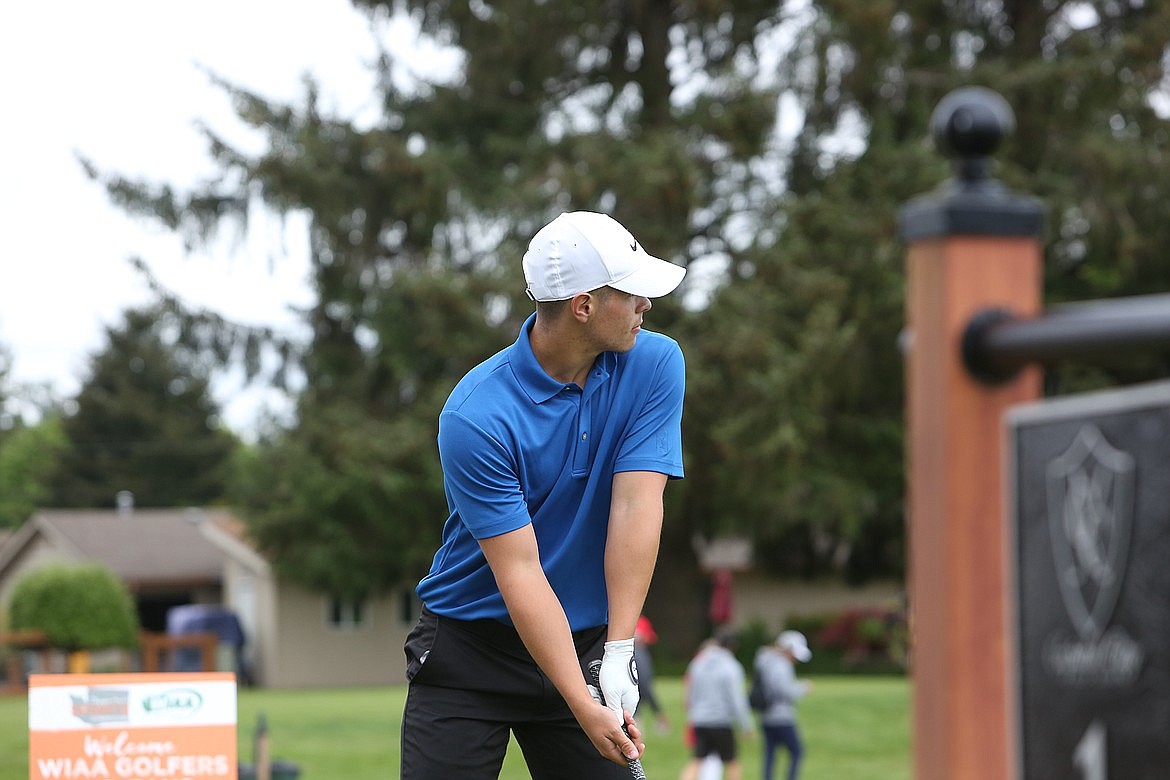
(582, 305)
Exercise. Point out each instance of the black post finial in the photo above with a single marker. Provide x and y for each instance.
(968, 125)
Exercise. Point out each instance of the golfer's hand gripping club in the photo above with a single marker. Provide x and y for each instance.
(618, 678)
(596, 668)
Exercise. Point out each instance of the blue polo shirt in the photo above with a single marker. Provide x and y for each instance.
(519, 447)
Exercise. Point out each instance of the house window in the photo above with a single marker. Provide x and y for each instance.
(346, 614)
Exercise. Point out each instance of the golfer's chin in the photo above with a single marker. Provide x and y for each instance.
(628, 344)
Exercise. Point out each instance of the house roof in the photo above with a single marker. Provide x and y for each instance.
(141, 546)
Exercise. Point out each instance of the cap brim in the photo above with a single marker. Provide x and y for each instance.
(802, 653)
(653, 280)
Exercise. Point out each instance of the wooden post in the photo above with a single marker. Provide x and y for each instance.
(158, 648)
(16, 642)
(78, 662)
(263, 756)
(972, 245)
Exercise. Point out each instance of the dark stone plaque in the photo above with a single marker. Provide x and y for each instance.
(1091, 508)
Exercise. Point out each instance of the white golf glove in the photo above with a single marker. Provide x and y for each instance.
(619, 677)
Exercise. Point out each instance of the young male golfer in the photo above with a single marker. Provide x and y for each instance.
(555, 455)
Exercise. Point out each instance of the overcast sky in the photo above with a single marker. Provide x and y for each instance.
(123, 84)
(120, 83)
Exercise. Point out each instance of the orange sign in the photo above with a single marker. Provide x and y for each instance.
(132, 726)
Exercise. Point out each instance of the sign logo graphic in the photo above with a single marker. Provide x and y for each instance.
(1090, 515)
(102, 706)
(183, 700)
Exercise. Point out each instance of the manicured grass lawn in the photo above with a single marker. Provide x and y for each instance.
(855, 728)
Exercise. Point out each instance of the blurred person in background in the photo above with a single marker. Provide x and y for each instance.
(716, 703)
(775, 667)
(644, 637)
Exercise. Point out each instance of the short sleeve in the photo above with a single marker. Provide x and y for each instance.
(480, 478)
(654, 439)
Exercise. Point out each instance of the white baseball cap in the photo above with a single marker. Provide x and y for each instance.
(795, 643)
(580, 251)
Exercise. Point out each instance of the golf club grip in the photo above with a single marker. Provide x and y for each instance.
(636, 770)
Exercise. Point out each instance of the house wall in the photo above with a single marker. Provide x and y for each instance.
(309, 652)
(772, 602)
(290, 643)
(38, 553)
(252, 596)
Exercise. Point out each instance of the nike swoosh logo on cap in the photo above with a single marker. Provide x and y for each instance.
(634, 247)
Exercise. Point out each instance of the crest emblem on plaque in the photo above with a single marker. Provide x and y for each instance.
(1090, 516)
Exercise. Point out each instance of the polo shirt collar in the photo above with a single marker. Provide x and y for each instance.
(534, 380)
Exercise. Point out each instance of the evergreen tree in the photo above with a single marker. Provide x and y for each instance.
(28, 450)
(419, 224)
(5, 371)
(28, 457)
(821, 400)
(144, 422)
(771, 143)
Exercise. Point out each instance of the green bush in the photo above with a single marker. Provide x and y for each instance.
(852, 641)
(81, 607)
(868, 638)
